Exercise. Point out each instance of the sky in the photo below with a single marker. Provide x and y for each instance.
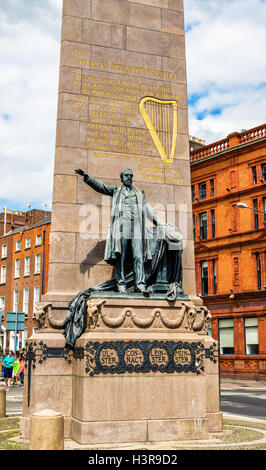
(226, 72)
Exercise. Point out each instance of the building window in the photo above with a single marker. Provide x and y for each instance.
(214, 276)
(4, 251)
(203, 226)
(258, 269)
(26, 292)
(37, 264)
(17, 268)
(194, 227)
(18, 245)
(27, 266)
(213, 222)
(15, 300)
(38, 240)
(27, 243)
(3, 274)
(226, 336)
(2, 306)
(212, 187)
(236, 271)
(193, 192)
(251, 336)
(256, 216)
(36, 297)
(202, 190)
(24, 337)
(263, 171)
(233, 179)
(264, 208)
(204, 277)
(254, 175)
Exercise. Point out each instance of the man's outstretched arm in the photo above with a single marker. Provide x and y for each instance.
(95, 184)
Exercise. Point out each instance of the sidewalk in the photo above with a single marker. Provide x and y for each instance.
(252, 385)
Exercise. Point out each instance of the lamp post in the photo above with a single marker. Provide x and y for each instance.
(244, 206)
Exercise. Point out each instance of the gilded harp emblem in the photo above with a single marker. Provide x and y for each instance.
(160, 117)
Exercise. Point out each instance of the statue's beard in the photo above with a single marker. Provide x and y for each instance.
(128, 184)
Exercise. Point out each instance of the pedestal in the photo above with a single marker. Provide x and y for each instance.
(144, 370)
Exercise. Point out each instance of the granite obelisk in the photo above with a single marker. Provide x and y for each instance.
(144, 367)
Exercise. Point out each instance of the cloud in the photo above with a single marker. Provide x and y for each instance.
(30, 46)
(226, 66)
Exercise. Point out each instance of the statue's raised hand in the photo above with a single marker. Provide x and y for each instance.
(80, 172)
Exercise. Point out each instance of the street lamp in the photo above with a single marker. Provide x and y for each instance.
(243, 205)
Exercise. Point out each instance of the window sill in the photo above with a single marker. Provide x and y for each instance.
(37, 273)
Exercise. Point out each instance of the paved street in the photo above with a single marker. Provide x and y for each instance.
(245, 401)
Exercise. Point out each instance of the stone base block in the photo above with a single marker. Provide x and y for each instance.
(215, 422)
(138, 431)
(178, 429)
(108, 431)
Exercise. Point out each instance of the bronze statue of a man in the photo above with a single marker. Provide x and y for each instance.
(127, 233)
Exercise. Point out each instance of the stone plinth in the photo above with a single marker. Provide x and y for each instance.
(134, 374)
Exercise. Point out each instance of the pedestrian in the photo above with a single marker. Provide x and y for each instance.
(21, 369)
(2, 357)
(8, 364)
(16, 370)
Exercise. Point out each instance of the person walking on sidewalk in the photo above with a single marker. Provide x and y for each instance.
(16, 370)
(21, 369)
(2, 357)
(8, 368)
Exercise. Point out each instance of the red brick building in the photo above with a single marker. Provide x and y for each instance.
(230, 247)
(24, 256)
